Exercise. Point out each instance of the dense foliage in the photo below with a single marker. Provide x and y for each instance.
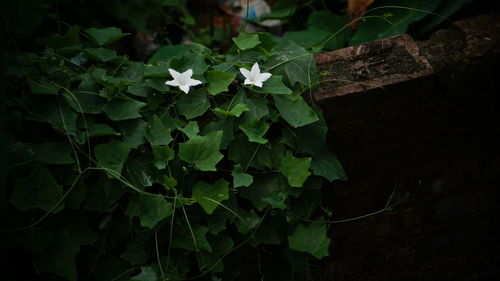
(116, 176)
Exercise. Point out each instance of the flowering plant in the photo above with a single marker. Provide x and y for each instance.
(177, 186)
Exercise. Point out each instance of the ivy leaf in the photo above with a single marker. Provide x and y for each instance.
(263, 187)
(295, 111)
(236, 111)
(59, 257)
(240, 178)
(39, 189)
(136, 252)
(133, 131)
(161, 155)
(58, 153)
(255, 130)
(273, 86)
(293, 62)
(296, 170)
(193, 104)
(203, 151)
(104, 36)
(397, 22)
(246, 41)
(312, 139)
(71, 38)
(118, 110)
(42, 87)
(191, 129)
(276, 200)
(190, 60)
(101, 54)
(218, 81)
(224, 125)
(311, 239)
(165, 53)
(150, 210)
(249, 222)
(100, 129)
(186, 241)
(206, 194)
(257, 108)
(112, 155)
(158, 69)
(157, 133)
(85, 102)
(148, 273)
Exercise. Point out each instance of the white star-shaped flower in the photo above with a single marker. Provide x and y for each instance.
(254, 77)
(182, 80)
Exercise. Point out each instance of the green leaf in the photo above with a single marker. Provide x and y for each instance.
(191, 129)
(157, 133)
(136, 252)
(332, 23)
(263, 187)
(392, 21)
(158, 69)
(112, 155)
(257, 108)
(193, 104)
(445, 9)
(190, 60)
(118, 110)
(311, 239)
(203, 151)
(237, 110)
(39, 189)
(165, 53)
(53, 153)
(59, 257)
(101, 54)
(186, 241)
(249, 220)
(276, 200)
(273, 86)
(105, 36)
(133, 131)
(312, 139)
(281, 13)
(246, 41)
(84, 102)
(218, 81)
(224, 125)
(295, 110)
(255, 130)
(240, 178)
(207, 195)
(101, 129)
(248, 153)
(307, 38)
(161, 155)
(42, 87)
(296, 170)
(150, 210)
(148, 273)
(71, 38)
(293, 62)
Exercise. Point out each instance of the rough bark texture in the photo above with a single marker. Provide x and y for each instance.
(420, 118)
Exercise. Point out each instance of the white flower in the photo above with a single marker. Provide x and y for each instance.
(254, 77)
(182, 80)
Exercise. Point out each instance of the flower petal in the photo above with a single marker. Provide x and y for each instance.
(188, 73)
(245, 72)
(184, 88)
(247, 82)
(264, 76)
(176, 75)
(172, 83)
(258, 84)
(255, 70)
(193, 82)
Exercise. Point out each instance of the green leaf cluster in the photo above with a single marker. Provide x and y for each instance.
(111, 169)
